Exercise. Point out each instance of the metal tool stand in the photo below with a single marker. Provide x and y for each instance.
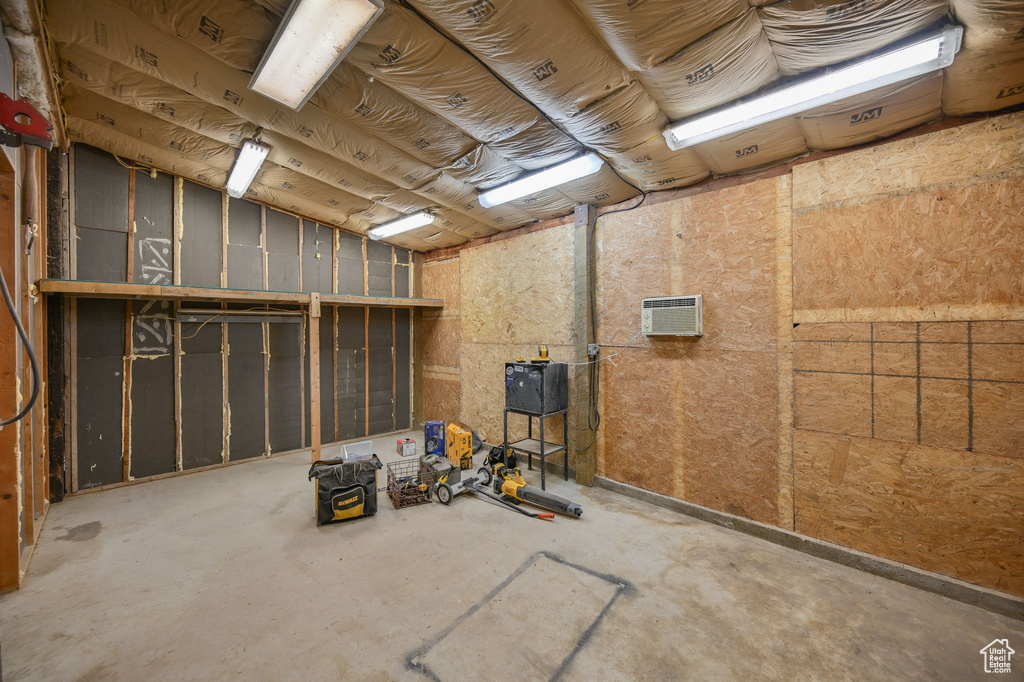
(532, 446)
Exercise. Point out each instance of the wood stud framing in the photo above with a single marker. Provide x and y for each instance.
(311, 302)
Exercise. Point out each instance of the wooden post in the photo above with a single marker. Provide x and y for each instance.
(10, 495)
(314, 374)
(579, 394)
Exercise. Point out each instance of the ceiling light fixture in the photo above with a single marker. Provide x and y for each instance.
(248, 163)
(404, 224)
(915, 59)
(312, 39)
(577, 168)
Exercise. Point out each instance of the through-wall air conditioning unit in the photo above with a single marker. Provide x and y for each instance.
(672, 316)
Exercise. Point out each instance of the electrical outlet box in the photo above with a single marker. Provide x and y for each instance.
(593, 349)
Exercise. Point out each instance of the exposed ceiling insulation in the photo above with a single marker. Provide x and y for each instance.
(442, 98)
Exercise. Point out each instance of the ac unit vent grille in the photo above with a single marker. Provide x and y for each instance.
(673, 316)
(688, 302)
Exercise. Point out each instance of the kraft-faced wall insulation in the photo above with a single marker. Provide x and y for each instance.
(351, 372)
(152, 389)
(82, 131)
(201, 236)
(483, 168)
(733, 61)
(753, 148)
(99, 368)
(380, 385)
(132, 123)
(987, 14)
(620, 121)
(246, 383)
(202, 395)
(116, 82)
(955, 513)
(235, 33)
(646, 33)
(130, 41)
(284, 387)
(988, 72)
(282, 251)
(245, 244)
(653, 166)
(873, 115)
(411, 57)
(810, 34)
(563, 76)
(350, 94)
(603, 188)
(369, 105)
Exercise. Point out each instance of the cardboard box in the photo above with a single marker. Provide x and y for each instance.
(406, 447)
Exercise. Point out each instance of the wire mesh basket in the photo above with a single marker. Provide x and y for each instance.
(409, 482)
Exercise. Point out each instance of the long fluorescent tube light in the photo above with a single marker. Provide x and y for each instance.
(409, 222)
(312, 39)
(574, 169)
(248, 163)
(915, 59)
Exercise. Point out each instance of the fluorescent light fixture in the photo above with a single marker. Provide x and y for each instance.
(409, 222)
(312, 39)
(914, 59)
(248, 163)
(574, 169)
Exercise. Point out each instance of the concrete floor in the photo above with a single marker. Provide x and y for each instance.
(223, 574)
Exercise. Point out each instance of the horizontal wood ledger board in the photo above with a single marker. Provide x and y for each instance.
(85, 289)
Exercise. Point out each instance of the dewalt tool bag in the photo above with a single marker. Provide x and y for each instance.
(345, 490)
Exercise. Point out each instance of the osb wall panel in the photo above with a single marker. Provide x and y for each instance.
(952, 512)
(720, 244)
(441, 339)
(441, 395)
(440, 279)
(711, 436)
(913, 229)
(482, 374)
(519, 291)
(955, 156)
(953, 385)
(729, 416)
(641, 440)
(950, 246)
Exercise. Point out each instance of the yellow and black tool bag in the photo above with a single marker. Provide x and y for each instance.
(345, 490)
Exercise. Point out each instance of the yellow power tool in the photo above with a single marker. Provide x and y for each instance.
(460, 446)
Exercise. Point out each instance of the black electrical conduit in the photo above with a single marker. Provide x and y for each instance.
(28, 349)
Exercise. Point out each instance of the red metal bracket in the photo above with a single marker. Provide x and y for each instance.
(23, 124)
